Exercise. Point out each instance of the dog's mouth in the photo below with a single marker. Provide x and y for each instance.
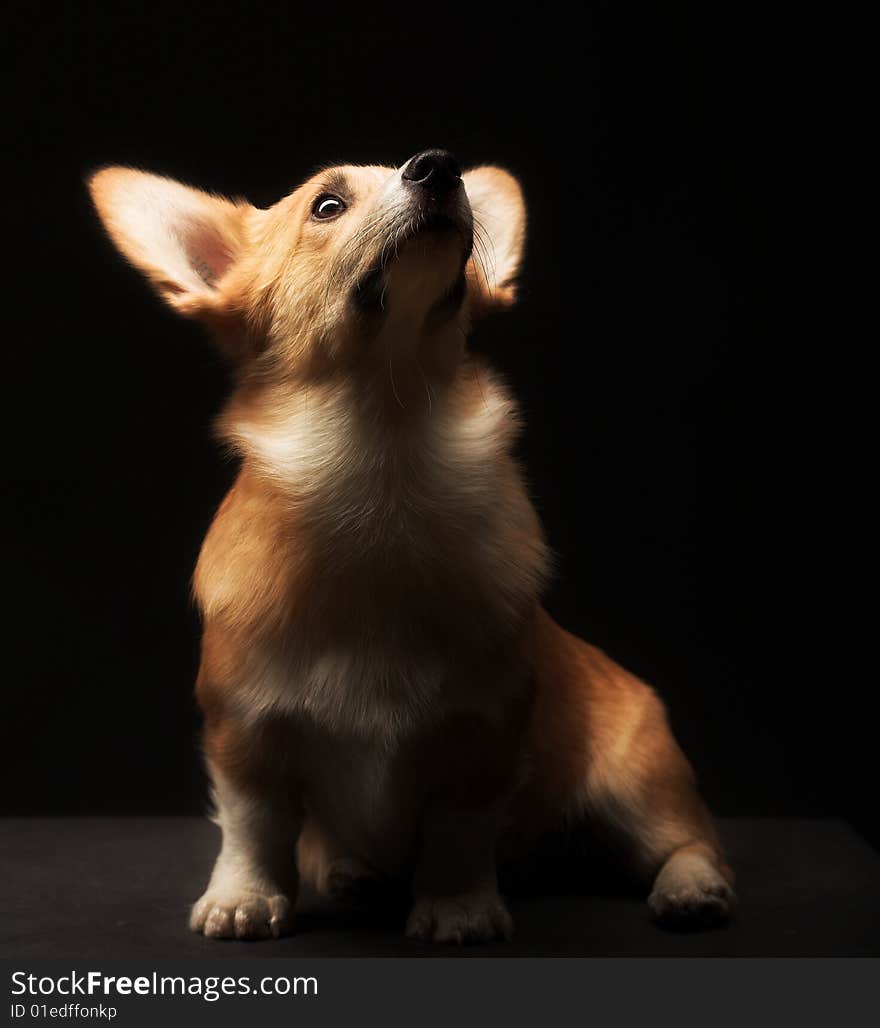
(426, 222)
(434, 221)
(368, 292)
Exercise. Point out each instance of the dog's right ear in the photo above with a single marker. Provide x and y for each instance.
(185, 241)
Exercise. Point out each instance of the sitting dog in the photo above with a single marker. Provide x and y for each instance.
(383, 695)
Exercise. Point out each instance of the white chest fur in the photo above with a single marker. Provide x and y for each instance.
(424, 552)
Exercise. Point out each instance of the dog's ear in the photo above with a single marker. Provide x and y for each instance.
(185, 241)
(499, 210)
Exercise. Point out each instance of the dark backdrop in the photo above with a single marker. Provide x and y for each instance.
(666, 351)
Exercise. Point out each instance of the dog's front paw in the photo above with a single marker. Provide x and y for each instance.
(222, 914)
(471, 917)
(690, 893)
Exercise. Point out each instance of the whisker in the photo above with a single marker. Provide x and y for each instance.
(484, 253)
(391, 376)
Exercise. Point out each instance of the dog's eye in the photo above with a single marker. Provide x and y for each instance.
(327, 206)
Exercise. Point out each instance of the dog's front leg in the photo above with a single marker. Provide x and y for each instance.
(455, 884)
(253, 887)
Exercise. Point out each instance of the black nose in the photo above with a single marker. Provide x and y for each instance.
(436, 171)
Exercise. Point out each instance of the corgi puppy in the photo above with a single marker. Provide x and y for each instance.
(384, 697)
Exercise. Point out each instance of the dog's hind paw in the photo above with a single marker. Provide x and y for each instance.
(691, 893)
(349, 880)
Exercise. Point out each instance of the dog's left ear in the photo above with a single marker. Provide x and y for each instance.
(499, 211)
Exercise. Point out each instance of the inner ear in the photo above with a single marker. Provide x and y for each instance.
(207, 254)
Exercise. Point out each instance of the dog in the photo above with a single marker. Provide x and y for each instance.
(384, 697)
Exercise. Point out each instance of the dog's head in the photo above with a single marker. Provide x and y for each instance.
(355, 261)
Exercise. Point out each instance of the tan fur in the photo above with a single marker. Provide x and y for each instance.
(378, 678)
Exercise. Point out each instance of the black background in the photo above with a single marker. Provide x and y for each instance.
(668, 351)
